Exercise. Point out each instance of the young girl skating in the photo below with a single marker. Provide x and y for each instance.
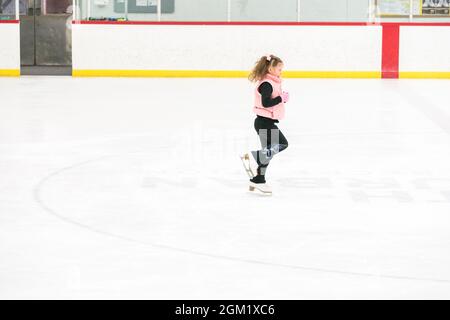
(269, 108)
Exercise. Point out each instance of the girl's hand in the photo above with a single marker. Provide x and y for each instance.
(285, 97)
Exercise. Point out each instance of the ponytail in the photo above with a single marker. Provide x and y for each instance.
(262, 66)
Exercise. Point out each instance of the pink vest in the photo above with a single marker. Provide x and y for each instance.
(275, 112)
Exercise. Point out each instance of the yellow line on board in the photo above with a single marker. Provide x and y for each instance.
(160, 73)
(424, 75)
(236, 74)
(9, 72)
(332, 74)
(220, 74)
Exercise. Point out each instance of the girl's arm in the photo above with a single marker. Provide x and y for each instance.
(265, 89)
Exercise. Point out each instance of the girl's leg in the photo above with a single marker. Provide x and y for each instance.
(282, 141)
(272, 142)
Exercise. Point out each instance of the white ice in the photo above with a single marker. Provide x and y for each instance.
(122, 188)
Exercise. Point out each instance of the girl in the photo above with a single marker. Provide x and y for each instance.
(269, 108)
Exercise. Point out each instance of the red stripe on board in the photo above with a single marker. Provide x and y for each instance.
(9, 21)
(261, 23)
(390, 51)
(223, 23)
(417, 24)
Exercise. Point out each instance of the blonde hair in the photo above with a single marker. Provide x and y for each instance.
(262, 66)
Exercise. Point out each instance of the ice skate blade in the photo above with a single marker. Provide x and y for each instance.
(246, 163)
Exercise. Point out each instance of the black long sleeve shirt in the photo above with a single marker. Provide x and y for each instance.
(265, 89)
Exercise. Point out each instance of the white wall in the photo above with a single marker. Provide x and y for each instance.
(185, 10)
(334, 10)
(424, 49)
(9, 46)
(248, 10)
(191, 47)
(263, 10)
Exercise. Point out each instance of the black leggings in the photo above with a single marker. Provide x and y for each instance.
(272, 142)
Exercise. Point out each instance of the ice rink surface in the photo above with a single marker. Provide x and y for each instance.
(122, 188)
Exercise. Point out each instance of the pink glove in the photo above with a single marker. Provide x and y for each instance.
(285, 97)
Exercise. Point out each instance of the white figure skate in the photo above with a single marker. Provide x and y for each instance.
(245, 158)
(248, 161)
(261, 187)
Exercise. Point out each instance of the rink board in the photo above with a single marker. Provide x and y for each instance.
(224, 50)
(424, 52)
(228, 50)
(9, 48)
